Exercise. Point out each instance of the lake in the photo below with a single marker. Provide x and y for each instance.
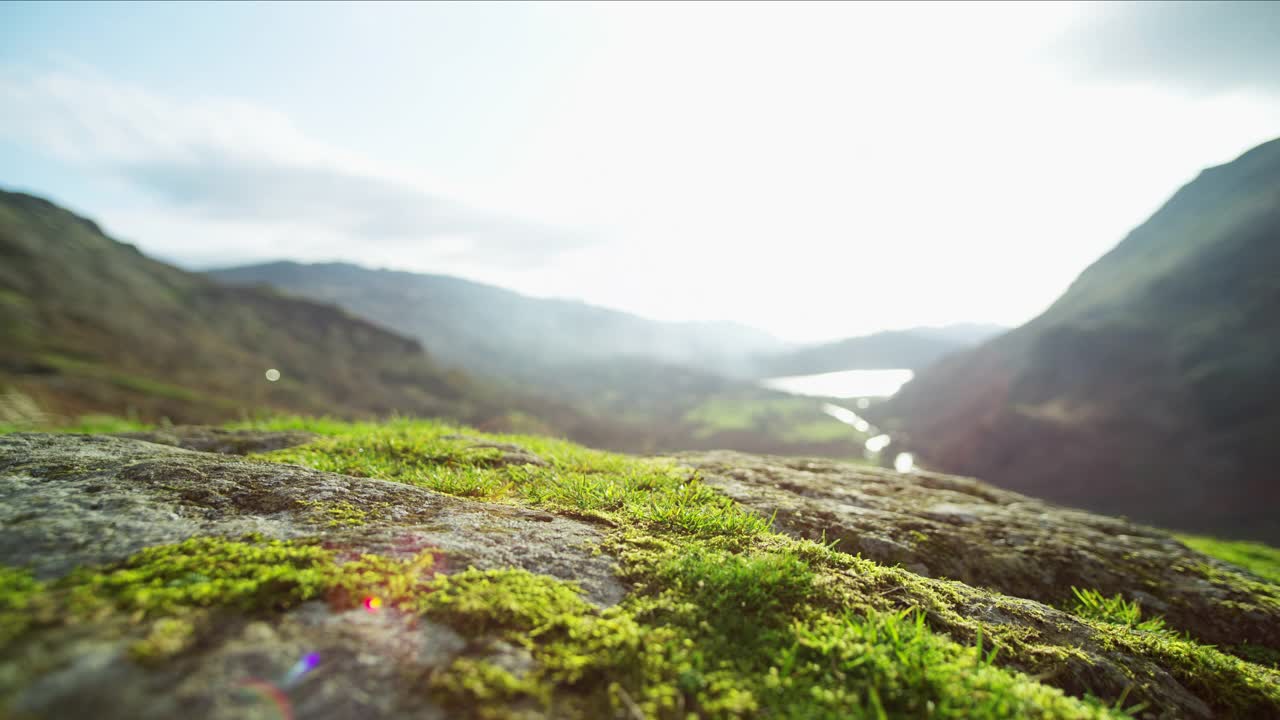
(843, 384)
(853, 384)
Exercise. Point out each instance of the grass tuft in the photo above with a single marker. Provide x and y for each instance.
(725, 618)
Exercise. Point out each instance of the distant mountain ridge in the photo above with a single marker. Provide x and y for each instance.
(912, 349)
(650, 386)
(90, 325)
(1150, 388)
(502, 332)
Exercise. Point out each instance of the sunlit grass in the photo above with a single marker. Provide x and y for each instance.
(1092, 604)
(1261, 560)
(453, 460)
(724, 618)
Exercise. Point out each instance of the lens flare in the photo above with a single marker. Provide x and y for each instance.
(878, 443)
(271, 694)
(300, 668)
(904, 462)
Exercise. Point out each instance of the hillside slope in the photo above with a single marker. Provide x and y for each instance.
(908, 349)
(642, 385)
(1150, 388)
(92, 325)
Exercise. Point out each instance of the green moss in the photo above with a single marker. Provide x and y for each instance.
(1261, 592)
(515, 600)
(166, 638)
(21, 600)
(716, 628)
(1217, 677)
(576, 479)
(724, 618)
(724, 595)
(204, 571)
(715, 633)
(343, 513)
(1230, 685)
(251, 574)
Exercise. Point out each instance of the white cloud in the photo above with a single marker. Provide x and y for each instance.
(817, 170)
(243, 176)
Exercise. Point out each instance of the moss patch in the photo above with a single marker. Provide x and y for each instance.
(21, 596)
(575, 479)
(722, 634)
(738, 595)
(725, 617)
(343, 513)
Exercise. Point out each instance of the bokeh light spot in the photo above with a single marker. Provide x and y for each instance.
(904, 462)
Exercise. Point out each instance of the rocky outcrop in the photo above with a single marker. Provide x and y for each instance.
(213, 586)
(1148, 388)
(68, 501)
(220, 440)
(72, 500)
(944, 526)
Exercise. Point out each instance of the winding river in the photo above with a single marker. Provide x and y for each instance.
(856, 386)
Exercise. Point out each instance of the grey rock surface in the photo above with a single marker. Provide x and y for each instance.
(945, 526)
(72, 500)
(218, 440)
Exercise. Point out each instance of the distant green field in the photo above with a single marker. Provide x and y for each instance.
(794, 419)
(1261, 560)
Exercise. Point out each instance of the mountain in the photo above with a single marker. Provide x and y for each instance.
(1150, 387)
(504, 333)
(92, 325)
(641, 385)
(912, 349)
(962, 333)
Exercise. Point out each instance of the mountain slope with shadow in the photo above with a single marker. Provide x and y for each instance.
(1150, 388)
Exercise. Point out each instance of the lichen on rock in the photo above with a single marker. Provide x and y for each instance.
(432, 571)
(958, 528)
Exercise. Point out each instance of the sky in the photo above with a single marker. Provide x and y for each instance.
(815, 170)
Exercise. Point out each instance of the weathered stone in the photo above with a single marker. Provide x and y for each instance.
(67, 501)
(71, 500)
(218, 440)
(951, 527)
(364, 668)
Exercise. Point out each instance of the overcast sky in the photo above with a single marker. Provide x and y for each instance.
(817, 170)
